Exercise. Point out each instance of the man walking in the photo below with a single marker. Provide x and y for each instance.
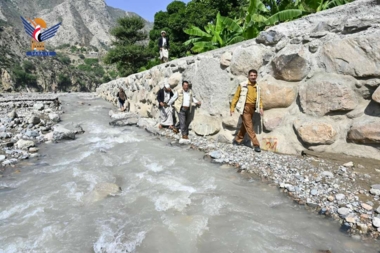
(122, 97)
(182, 104)
(247, 98)
(166, 112)
(163, 45)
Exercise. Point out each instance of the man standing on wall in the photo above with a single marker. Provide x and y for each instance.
(163, 45)
(247, 98)
(182, 104)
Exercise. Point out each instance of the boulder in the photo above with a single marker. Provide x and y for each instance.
(24, 144)
(376, 95)
(273, 118)
(38, 106)
(145, 122)
(175, 79)
(205, 125)
(62, 133)
(275, 93)
(124, 122)
(269, 38)
(6, 81)
(355, 56)
(376, 222)
(291, 64)
(244, 59)
(315, 132)
(231, 122)
(225, 59)
(122, 115)
(225, 136)
(211, 85)
(54, 117)
(13, 114)
(142, 96)
(365, 130)
(314, 46)
(100, 192)
(34, 120)
(325, 93)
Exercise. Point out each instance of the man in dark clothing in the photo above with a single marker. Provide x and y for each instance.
(164, 45)
(122, 97)
(166, 111)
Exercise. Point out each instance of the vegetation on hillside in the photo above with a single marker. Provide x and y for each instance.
(203, 25)
(128, 52)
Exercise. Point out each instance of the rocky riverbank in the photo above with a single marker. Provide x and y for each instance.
(26, 121)
(348, 190)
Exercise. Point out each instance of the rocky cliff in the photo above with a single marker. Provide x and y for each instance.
(85, 27)
(320, 78)
(85, 21)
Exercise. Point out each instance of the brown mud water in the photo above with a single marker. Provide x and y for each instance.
(119, 189)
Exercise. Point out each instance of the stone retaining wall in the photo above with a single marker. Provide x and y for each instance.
(320, 78)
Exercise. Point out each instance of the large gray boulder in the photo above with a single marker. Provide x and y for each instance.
(24, 144)
(355, 56)
(365, 130)
(205, 125)
(244, 59)
(325, 93)
(292, 64)
(62, 133)
(314, 132)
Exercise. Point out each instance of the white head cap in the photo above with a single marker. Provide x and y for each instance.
(163, 32)
(167, 86)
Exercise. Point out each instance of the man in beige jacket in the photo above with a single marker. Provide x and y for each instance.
(247, 98)
(183, 100)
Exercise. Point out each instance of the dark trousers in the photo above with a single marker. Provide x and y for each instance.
(184, 121)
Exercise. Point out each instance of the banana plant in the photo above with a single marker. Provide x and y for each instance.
(312, 6)
(214, 35)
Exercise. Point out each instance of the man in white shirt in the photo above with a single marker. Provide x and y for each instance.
(163, 45)
(183, 100)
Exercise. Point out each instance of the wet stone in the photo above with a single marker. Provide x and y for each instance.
(344, 212)
(366, 206)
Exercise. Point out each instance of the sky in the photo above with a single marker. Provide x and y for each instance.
(144, 8)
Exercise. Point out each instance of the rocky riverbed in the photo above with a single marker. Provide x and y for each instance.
(28, 120)
(346, 189)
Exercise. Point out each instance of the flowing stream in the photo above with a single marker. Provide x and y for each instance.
(171, 199)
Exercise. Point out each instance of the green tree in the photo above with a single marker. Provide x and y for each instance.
(128, 53)
(22, 78)
(215, 35)
(29, 66)
(63, 81)
(179, 16)
(227, 31)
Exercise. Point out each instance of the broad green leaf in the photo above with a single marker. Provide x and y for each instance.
(235, 40)
(219, 24)
(257, 18)
(283, 16)
(196, 31)
(188, 42)
(231, 25)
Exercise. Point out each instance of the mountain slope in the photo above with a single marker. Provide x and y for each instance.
(87, 22)
(85, 28)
